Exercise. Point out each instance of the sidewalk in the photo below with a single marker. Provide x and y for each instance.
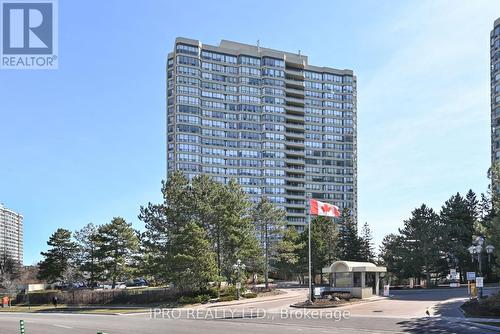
(287, 294)
(450, 310)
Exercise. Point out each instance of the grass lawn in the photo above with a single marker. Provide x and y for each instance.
(74, 309)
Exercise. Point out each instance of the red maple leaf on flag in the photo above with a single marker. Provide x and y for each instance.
(325, 207)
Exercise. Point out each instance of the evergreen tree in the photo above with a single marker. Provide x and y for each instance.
(322, 245)
(238, 240)
(190, 260)
(289, 249)
(330, 230)
(88, 246)
(393, 255)
(419, 235)
(269, 220)
(222, 211)
(457, 230)
(472, 204)
(59, 258)
(118, 243)
(163, 221)
(349, 244)
(366, 250)
(10, 272)
(485, 209)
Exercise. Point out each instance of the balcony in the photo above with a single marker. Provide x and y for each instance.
(294, 92)
(298, 84)
(294, 101)
(295, 143)
(294, 135)
(295, 177)
(297, 187)
(295, 204)
(294, 73)
(294, 153)
(295, 214)
(294, 161)
(295, 118)
(294, 110)
(294, 126)
(295, 193)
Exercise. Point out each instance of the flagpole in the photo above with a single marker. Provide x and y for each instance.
(308, 205)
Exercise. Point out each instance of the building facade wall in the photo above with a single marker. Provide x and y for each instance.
(495, 91)
(11, 234)
(281, 127)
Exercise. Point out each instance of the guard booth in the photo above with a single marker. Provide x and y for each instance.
(361, 279)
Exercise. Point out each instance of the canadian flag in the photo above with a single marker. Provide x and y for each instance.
(318, 208)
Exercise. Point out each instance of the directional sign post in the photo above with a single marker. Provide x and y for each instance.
(479, 285)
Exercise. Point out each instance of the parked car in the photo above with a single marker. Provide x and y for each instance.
(120, 285)
(137, 282)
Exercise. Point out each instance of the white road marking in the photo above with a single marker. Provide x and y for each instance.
(62, 326)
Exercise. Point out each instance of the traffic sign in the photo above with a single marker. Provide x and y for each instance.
(471, 275)
(479, 282)
(386, 290)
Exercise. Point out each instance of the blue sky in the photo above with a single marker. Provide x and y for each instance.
(86, 142)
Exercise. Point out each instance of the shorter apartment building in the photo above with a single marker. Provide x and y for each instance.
(11, 234)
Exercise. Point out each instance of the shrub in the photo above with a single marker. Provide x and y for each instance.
(250, 295)
(203, 298)
(212, 292)
(231, 291)
(187, 300)
(227, 298)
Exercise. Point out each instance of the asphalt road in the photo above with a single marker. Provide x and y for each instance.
(403, 313)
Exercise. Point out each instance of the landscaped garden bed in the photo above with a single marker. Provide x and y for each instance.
(485, 307)
(332, 300)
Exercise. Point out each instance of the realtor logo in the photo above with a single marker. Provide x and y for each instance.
(29, 34)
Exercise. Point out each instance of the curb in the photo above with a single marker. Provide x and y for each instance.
(491, 328)
(250, 301)
(366, 301)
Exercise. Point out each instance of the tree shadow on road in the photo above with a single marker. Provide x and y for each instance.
(434, 325)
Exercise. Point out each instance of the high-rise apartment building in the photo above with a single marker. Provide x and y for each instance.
(11, 234)
(495, 91)
(282, 127)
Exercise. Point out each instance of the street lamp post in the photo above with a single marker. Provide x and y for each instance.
(477, 249)
(238, 266)
(489, 251)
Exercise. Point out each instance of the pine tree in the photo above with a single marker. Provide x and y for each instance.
(289, 249)
(190, 260)
(472, 204)
(457, 230)
(269, 220)
(419, 235)
(59, 258)
(88, 247)
(366, 250)
(118, 243)
(222, 211)
(349, 244)
(393, 255)
(10, 272)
